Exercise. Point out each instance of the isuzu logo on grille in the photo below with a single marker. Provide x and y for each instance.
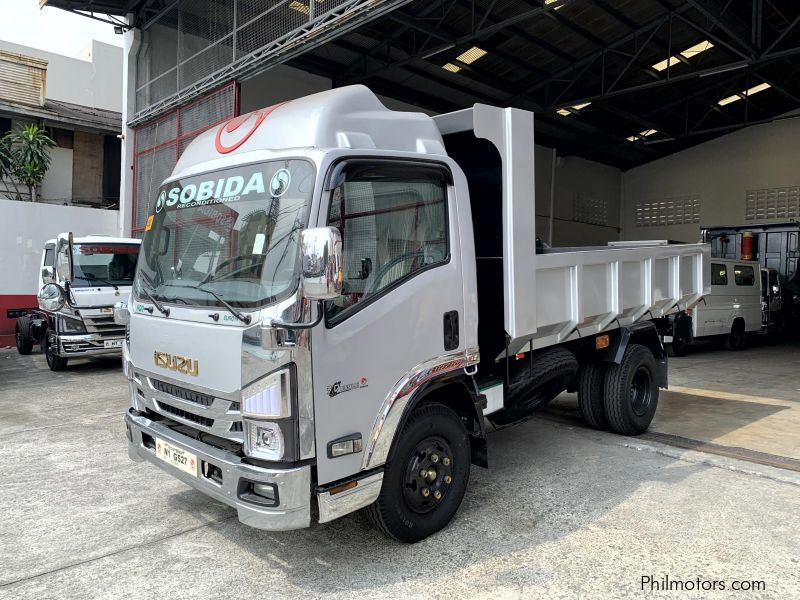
(181, 364)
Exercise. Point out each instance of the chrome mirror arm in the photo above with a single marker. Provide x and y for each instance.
(278, 324)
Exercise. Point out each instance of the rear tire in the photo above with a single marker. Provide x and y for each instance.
(23, 335)
(735, 340)
(434, 440)
(55, 362)
(631, 391)
(591, 383)
(533, 387)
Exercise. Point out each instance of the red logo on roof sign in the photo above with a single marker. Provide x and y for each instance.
(235, 134)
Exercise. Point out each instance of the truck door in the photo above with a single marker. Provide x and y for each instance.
(402, 295)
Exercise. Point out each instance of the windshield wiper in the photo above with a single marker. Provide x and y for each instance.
(242, 317)
(95, 278)
(164, 311)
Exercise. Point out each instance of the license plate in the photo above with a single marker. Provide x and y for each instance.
(112, 344)
(183, 460)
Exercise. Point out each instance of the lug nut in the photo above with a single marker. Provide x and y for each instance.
(423, 472)
(447, 479)
(434, 458)
(437, 494)
(426, 492)
(446, 461)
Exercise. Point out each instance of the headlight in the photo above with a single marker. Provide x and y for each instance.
(264, 440)
(269, 397)
(70, 325)
(51, 297)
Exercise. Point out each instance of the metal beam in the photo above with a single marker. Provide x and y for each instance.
(723, 27)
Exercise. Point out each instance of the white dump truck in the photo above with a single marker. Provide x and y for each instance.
(331, 296)
(80, 279)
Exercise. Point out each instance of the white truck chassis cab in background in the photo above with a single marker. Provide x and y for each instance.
(80, 280)
(331, 296)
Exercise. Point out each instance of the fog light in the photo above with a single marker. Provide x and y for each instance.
(264, 440)
(266, 490)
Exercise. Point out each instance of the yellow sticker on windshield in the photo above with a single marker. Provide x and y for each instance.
(149, 224)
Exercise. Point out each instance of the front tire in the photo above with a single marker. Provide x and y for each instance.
(425, 481)
(54, 361)
(736, 338)
(631, 391)
(23, 335)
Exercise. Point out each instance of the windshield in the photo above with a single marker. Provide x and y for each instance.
(103, 263)
(233, 233)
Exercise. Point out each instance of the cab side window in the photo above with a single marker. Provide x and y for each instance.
(719, 274)
(744, 275)
(393, 221)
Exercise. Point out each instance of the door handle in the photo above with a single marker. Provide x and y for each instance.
(451, 330)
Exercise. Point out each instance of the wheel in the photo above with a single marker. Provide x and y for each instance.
(631, 391)
(531, 388)
(23, 335)
(424, 483)
(54, 361)
(591, 381)
(736, 338)
(680, 339)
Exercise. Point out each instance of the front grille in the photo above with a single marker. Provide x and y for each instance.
(183, 414)
(182, 393)
(103, 325)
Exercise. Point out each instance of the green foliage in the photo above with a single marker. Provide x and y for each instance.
(24, 156)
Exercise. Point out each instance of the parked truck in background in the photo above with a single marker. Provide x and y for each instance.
(76, 297)
(331, 296)
(735, 307)
(776, 246)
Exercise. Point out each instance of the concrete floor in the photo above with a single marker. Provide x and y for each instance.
(563, 512)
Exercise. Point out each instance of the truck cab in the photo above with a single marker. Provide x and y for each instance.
(331, 296)
(80, 279)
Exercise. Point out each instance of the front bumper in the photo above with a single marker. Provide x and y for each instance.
(88, 344)
(293, 484)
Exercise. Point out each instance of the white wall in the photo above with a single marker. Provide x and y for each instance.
(26, 226)
(96, 82)
(719, 173)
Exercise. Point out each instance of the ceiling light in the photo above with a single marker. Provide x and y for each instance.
(697, 49)
(642, 134)
(688, 53)
(748, 92)
(757, 88)
(546, 2)
(471, 55)
(567, 111)
(451, 67)
(667, 62)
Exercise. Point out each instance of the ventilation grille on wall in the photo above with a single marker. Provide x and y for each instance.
(772, 203)
(590, 209)
(682, 210)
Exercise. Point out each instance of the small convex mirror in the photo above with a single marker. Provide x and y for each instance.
(51, 297)
(322, 260)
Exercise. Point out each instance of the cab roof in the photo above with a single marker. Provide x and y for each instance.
(95, 237)
(346, 117)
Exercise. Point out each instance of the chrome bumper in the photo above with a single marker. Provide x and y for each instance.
(293, 485)
(85, 345)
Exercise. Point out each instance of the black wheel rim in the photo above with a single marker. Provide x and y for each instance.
(429, 475)
(641, 391)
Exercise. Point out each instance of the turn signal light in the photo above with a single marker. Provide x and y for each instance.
(602, 341)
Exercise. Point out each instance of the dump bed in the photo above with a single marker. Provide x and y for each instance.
(557, 294)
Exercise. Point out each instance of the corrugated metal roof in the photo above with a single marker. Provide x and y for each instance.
(22, 79)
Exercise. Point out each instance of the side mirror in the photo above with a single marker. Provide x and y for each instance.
(47, 274)
(323, 263)
(122, 315)
(64, 256)
(51, 297)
